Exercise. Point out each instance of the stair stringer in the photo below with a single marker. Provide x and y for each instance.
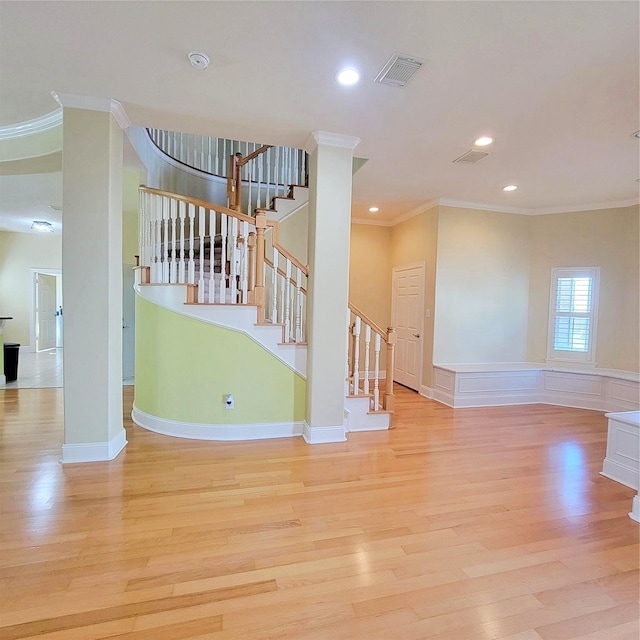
(283, 207)
(237, 317)
(361, 418)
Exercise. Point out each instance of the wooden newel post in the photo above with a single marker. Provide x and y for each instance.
(389, 398)
(251, 246)
(234, 182)
(261, 225)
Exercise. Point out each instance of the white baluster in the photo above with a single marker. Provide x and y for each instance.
(356, 357)
(274, 286)
(212, 236)
(367, 344)
(142, 224)
(276, 171)
(182, 209)
(376, 373)
(191, 271)
(287, 309)
(233, 258)
(201, 252)
(157, 240)
(209, 156)
(244, 266)
(223, 259)
(173, 265)
(165, 217)
(298, 316)
(268, 154)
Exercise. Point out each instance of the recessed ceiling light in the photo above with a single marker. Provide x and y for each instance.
(198, 59)
(483, 141)
(348, 76)
(374, 209)
(41, 225)
(510, 187)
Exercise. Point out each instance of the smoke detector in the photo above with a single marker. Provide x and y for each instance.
(398, 70)
(199, 60)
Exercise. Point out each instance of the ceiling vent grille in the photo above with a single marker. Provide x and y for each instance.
(398, 70)
(471, 157)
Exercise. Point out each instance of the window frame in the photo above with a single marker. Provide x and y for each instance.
(575, 357)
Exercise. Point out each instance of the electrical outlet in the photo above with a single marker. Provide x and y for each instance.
(229, 402)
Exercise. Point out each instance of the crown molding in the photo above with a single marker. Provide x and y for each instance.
(40, 124)
(93, 103)
(331, 140)
(597, 206)
(374, 223)
(541, 211)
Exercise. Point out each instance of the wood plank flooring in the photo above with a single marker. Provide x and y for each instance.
(455, 525)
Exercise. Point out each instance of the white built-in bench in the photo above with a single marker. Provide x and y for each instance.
(622, 462)
(483, 385)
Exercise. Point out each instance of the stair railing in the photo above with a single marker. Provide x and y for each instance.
(222, 255)
(366, 339)
(259, 173)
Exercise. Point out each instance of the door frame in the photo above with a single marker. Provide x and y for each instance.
(34, 301)
(423, 275)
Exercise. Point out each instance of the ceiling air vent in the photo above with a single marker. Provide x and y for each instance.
(470, 157)
(398, 70)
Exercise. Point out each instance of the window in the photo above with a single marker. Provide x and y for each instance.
(573, 309)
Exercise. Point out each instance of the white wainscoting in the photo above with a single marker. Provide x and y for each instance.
(488, 385)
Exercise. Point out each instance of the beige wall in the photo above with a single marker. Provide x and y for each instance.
(131, 180)
(19, 253)
(412, 242)
(482, 287)
(608, 239)
(370, 272)
(293, 233)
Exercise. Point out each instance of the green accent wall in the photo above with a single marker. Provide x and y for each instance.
(185, 367)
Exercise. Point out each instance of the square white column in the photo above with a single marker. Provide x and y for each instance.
(330, 182)
(92, 283)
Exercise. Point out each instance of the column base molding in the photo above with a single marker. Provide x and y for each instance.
(323, 435)
(94, 451)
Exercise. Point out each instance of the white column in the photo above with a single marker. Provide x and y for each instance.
(331, 161)
(92, 279)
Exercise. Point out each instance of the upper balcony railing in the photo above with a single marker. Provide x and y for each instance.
(264, 171)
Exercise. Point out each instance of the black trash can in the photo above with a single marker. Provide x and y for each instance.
(11, 351)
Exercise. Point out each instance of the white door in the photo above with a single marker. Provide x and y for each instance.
(45, 311)
(407, 310)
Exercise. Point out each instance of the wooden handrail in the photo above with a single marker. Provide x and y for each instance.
(275, 225)
(258, 152)
(200, 203)
(284, 275)
(367, 320)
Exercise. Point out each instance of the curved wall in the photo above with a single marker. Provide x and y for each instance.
(185, 367)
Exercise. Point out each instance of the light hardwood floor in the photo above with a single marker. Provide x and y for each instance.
(455, 525)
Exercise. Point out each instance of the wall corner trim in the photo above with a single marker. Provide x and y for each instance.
(94, 451)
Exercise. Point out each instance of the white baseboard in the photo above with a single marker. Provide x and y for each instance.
(323, 435)
(221, 432)
(3, 379)
(94, 451)
(426, 392)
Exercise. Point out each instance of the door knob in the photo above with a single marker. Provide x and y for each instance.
(416, 335)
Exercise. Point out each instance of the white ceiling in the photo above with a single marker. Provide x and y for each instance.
(555, 83)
